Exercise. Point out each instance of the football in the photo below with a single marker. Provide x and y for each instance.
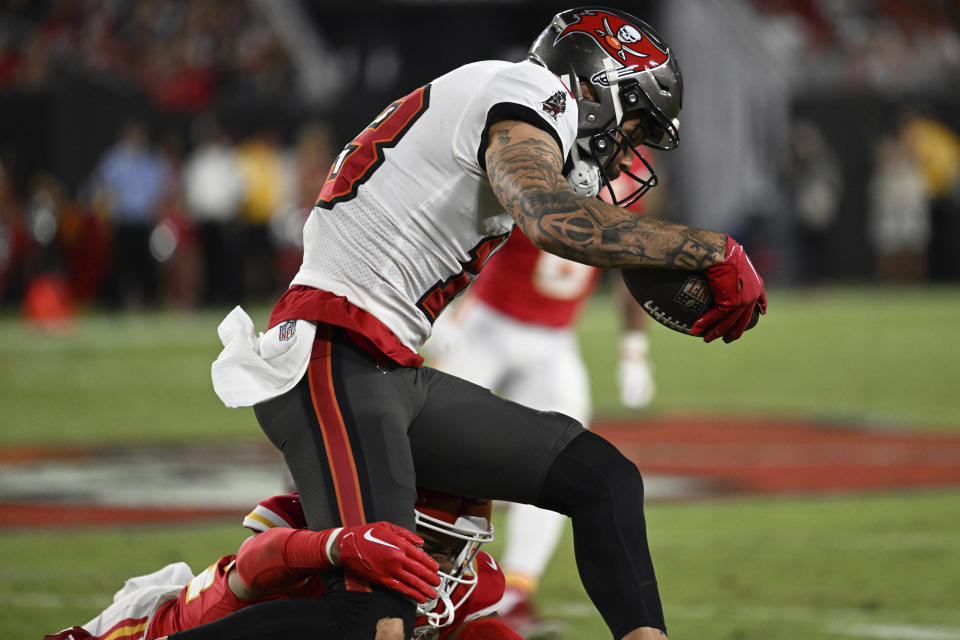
(673, 297)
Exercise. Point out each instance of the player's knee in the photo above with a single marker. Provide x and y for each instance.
(378, 613)
(389, 629)
(591, 471)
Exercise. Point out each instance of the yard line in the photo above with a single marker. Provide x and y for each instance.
(903, 540)
(794, 613)
(47, 600)
(897, 632)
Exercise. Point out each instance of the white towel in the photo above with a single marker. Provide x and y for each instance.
(252, 368)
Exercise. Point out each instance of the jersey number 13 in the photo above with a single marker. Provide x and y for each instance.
(364, 154)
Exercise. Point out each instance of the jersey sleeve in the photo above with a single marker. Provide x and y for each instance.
(523, 91)
(205, 598)
(276, 511)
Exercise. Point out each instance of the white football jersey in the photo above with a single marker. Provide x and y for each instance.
(133, 606)
(406, 218)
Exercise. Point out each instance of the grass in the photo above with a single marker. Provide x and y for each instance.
(875, 355)
(54, 579)
(116, 379)
(792, 568)
(815, 568)
(887, 356)
(740, 569)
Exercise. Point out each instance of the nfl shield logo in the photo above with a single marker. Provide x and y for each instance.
(694, 295)
(287, 329)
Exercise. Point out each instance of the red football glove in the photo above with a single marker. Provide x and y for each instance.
(279, 558)
(388, 554)
(737, 290)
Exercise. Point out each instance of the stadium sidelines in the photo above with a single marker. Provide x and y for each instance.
(682, 458)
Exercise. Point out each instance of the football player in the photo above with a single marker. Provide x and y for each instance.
(453, 529)
(458, 587)
(407, 217)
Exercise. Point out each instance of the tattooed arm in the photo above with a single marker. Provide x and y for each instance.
(525, 169)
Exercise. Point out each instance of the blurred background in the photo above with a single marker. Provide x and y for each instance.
(158, 158)
(151, 151)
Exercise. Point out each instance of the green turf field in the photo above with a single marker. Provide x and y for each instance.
(748, 569)
(879, 566)
(864, 354)
(881, 355)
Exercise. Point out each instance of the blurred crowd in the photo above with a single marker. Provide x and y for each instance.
(912, 199)
(185, 56)
(154, 224)
(905, 53)
(189, 215)
(209, 213)
(886, 45)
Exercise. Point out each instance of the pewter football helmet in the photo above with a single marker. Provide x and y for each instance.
(633, 74)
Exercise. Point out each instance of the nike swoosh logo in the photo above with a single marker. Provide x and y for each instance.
(491, 563)
(368, 535)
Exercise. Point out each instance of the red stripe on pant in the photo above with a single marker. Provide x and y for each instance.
(336, 442)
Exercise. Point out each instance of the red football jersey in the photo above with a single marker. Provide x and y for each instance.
(534, 286)
(481, 601)
(208, 597)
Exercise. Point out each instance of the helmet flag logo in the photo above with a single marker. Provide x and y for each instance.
(619, 39)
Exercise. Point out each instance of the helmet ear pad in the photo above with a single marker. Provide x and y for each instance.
(583, 174)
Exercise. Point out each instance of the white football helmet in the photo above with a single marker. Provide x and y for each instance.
(463, 519)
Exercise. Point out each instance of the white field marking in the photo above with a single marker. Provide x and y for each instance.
(582, 609)
(794, 613)
(569, 609)
(141, 479)
(846, 620)
(46, 600)
(908, 540)
(897, 632)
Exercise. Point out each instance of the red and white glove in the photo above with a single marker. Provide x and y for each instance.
(381, 552)
(390, 555)
(737, 290)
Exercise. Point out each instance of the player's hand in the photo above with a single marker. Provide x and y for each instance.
(634, 374)
(389, 555)
(737, 290)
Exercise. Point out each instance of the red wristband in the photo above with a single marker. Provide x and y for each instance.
(280, 557)
(306, 550)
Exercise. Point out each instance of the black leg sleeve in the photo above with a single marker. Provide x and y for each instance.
(602, 492)
(345, 615)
